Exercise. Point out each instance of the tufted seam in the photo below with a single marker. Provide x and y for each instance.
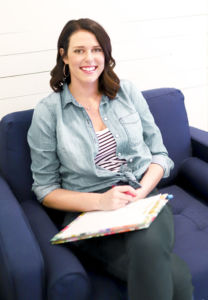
(60, 281)
(179, 210)
(199, 226)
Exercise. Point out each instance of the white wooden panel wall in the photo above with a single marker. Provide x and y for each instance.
(161, 43)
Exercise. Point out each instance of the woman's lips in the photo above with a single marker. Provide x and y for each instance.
(88, 69)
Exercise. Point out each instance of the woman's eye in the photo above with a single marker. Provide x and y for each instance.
(98, 50)
(79, 51)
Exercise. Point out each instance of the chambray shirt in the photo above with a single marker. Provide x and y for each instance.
(64, 144)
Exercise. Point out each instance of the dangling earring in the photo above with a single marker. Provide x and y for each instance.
(65, 71)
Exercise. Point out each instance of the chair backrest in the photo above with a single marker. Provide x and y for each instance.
(167, 106)
(168, 109)
(14, 153)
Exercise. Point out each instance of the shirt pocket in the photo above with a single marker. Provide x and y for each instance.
(133, 128)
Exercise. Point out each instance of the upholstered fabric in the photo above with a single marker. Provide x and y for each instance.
(21, 263)
(194, 174)
(15, 157)
(199, 143)
(167, 107)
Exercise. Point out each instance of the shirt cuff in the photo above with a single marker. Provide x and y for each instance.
(165, 162)
(42, 191)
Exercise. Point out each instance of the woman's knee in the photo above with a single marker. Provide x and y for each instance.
(156, 239)
(146, 246)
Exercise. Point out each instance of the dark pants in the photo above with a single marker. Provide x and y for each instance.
(144, 259)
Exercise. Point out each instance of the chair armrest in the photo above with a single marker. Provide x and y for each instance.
(199, 140)
(21, 263)
(194, 175)
(66, 278)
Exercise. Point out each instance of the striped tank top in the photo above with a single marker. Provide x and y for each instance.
(106, 157)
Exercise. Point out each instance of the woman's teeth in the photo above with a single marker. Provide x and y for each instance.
(88, 68)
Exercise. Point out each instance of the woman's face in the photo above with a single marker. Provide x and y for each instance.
(85, 58)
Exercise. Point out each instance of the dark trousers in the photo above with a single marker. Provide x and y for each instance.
(144, 259)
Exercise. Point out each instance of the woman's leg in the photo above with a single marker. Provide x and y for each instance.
(181, 279)
(153, 271)
(149, 260)
(144, 259)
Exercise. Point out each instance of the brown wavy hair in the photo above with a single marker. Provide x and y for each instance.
(109, 82)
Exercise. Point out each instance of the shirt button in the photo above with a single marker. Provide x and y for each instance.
(130, 159)
(105, 118)
(119, 154)
(117, 135)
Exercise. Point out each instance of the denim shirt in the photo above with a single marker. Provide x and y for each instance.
(64, 144)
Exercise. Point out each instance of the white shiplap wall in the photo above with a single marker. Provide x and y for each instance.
(161, 43)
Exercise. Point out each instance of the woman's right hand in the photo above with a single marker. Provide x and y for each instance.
(117, 197)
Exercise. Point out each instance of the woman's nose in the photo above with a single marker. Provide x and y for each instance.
(89, 56)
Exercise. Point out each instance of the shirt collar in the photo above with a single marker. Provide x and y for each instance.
(67, 97)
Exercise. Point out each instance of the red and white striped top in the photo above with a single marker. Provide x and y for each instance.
(106, 157)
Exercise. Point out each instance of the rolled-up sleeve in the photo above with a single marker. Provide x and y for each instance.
(151, 134)
(165, 162)
(42, 141)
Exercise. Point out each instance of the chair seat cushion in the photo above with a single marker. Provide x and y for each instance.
(105, 287)
(191, 235)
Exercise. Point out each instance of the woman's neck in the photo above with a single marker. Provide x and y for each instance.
(85, 94)
(86, 90)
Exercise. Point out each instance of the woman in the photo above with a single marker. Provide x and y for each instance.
(95, 132)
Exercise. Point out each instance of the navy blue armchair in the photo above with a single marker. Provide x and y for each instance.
(32, 268)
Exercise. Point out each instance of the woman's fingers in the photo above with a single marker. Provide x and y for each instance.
(117, 197)
(127, 190)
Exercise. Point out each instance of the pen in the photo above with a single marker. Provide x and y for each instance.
(169, 197)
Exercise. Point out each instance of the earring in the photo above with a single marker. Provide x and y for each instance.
(65, 71)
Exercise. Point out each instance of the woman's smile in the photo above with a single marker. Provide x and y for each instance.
(88, 69)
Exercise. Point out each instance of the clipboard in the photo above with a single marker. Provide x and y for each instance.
(134, 216)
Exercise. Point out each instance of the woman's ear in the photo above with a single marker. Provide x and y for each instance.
(61, 52)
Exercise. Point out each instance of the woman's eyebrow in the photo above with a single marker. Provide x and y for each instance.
(79, 46)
